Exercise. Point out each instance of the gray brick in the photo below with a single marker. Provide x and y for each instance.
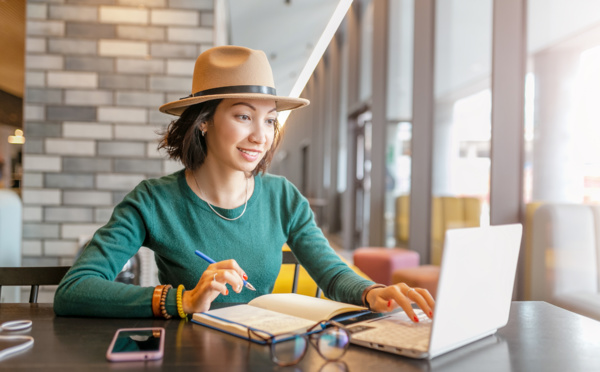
(174, 17)
(91, 30)
(140, 66)
(45, 28)
(33, 112)
(40, 230)
(181, 67)
(74, 13)
(123, 48)
(157, 117)
(171, 166)
(117, 81)
(145, 3)
(71, 113)
(190, 34)
(42, 130)
(93, 2)
(33, 146)
(72, 46)
(35, 44)
(118, 181)
(37, 95)
(99, 64)
(170, 83)
(88, 97)
(35, 79)
(39, 11)
(68, 214)
(146, 99)
(192, 4)
(44, 62)
(119, 148)
(168, 50)
(102, 215)
(92, 165)
(87, 198)
(149, 33)
(32, 180)
(118, 196)
(69, 181)
(138, 166)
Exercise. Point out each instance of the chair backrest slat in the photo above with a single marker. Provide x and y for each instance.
(32, 276)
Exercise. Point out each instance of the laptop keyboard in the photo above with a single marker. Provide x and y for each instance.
(397, 331)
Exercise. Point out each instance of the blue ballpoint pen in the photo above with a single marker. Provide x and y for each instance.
(210, 260)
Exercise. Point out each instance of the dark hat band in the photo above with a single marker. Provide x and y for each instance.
(236, 89)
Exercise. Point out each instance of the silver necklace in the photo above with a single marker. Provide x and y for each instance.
(211, 207)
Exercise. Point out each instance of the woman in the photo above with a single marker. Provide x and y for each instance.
(223, 204)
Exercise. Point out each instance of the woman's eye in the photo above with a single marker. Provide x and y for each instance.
(271, 121)
(244, 117)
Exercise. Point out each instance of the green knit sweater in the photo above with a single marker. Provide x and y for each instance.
(166, 216)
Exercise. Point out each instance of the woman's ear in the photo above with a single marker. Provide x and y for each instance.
(202, 127)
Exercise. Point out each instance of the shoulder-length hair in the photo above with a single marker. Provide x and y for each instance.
(183, 140)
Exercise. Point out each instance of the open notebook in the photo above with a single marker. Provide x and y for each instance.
(474, 296)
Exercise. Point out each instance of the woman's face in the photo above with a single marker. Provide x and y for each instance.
(242, 133)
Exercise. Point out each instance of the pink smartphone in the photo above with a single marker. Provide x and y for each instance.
(131, 344)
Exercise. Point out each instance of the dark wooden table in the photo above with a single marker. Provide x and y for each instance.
(538, 337)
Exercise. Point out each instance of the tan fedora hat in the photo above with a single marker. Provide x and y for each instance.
(232, 72)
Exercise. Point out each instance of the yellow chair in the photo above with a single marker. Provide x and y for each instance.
(447, 212)
(530, 209)
(305, 285)
(402, 220)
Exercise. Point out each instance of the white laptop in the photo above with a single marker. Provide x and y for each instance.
(473, 297)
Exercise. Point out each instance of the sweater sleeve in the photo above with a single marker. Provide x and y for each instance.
(338, 281)
(89, 289)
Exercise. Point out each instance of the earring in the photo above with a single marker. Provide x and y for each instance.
(203, 133)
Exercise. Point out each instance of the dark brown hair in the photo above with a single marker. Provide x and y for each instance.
(183, 140)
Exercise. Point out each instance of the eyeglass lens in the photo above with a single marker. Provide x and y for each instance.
(332, 343)
(288, 350)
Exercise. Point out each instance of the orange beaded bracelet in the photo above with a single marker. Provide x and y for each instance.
(156, 300)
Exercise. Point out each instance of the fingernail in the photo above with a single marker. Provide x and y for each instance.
(245, 276)
(390, 303)
(431, 314)
(416, 319)
(226, 292)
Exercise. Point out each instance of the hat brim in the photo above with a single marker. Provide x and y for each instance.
(283, 103)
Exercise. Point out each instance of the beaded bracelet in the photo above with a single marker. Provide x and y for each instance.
(180, 290)
(163, 300)
(156, 300)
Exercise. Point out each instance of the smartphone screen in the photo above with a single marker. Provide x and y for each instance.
(130, 344)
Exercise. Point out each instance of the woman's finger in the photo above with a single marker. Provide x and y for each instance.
(230, 277)
(229, 265)
(417, 295)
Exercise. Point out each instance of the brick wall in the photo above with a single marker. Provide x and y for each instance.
(96, 72)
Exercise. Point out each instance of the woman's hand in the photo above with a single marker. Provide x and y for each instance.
(390, 297)
(213, 282)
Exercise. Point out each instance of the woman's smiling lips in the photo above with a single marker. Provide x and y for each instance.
(250, 155)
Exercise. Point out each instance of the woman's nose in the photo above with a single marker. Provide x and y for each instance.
(258, 134)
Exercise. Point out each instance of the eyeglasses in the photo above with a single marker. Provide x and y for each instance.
(330, 338)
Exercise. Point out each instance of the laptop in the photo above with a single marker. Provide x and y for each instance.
(473, 297)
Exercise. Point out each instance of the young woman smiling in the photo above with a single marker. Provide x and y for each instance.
(222, 203)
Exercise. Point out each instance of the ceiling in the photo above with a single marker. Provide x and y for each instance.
(286, 30)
